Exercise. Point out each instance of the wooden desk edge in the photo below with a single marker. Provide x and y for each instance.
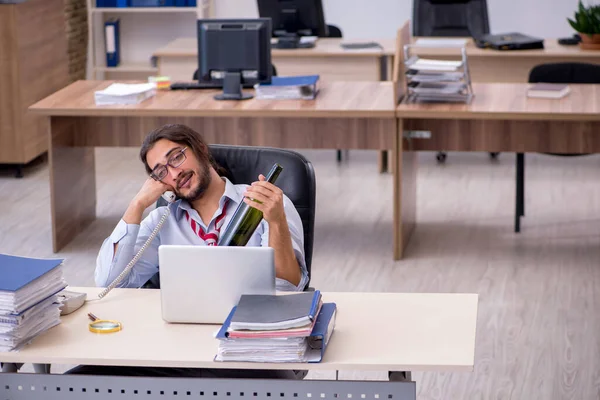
(136, 112)
(17, 357)
(492, 115)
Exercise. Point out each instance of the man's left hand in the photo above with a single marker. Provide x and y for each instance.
(268, 198)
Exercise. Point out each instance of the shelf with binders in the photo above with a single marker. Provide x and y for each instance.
(141, 30)
(431, 80)
(128, 10)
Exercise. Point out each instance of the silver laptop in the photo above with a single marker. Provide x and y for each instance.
(201, 284)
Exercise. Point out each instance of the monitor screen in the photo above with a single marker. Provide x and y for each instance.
(234, 52)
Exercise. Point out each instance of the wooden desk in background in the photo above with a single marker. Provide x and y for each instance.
(345, 115)
(373, 332)
(487, 65)
(501, 118)
(179, 60)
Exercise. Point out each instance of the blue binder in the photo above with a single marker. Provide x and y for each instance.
(111, 42)
(318, 339)
(180, 3)
(17, 272)
(191, 3)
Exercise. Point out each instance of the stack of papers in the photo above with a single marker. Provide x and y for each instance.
(287, 328)
(437, 80)
(423, 64)
(441, 42)
(28, 301)
(124, 93)
(289, 87)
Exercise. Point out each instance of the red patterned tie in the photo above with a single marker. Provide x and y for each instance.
(212, 237)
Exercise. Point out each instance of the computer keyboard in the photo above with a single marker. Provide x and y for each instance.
(192, 85)
(360, 46)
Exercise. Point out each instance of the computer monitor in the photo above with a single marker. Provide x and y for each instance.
(234, 53)
(293, 19)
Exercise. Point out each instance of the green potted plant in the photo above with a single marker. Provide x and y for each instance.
(587, 24)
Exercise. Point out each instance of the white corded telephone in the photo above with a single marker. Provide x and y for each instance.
(72, 301)
(169, 197)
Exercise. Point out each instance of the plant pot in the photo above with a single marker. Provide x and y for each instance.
(590, 42)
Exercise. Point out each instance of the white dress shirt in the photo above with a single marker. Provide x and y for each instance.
(177, 230)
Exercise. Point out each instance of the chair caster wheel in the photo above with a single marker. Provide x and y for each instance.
(494, 156)
(441, 157)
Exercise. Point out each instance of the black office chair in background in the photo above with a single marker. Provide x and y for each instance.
(243, 164)
(575, 73)
(334, 31)
(450, 18)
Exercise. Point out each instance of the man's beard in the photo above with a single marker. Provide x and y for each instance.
(197, 191)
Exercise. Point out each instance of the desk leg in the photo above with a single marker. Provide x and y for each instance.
(8, 368)
(404, 162)
(383, 162)
(72, 182)
(400, 376)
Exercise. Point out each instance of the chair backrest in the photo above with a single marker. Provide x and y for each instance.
(568, 72)
(451, 18)
(334, 31)
(243, 164)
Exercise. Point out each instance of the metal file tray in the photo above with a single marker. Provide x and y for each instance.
(432, 80)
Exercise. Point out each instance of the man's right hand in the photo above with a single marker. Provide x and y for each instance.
(148, 195)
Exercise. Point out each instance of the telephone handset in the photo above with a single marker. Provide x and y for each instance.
(169, 197)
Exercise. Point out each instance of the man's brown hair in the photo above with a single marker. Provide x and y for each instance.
(182, 135)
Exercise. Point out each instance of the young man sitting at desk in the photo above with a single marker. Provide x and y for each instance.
(178, 159)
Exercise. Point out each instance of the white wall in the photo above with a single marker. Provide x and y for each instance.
(371, 19)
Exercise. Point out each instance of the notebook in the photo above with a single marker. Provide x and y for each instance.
(271, 312)
(25, 282)
(289, 88)
(548, 90)
(16, 272)
(309, 349)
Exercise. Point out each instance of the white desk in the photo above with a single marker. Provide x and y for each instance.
(374, 331)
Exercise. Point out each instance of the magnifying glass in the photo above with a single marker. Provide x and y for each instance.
(105, 326)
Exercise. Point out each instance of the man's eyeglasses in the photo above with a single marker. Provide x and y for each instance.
(160, 171)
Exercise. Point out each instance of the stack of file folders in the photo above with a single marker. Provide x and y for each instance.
(279, 329)
(438, 80)
(289, 88)
(28, 301)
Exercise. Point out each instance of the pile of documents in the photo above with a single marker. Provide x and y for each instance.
(285, 328)
(289, 88)
(28, 301)
(437, 80)
(124, 93)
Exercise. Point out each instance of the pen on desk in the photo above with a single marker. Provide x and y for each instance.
(92, 317)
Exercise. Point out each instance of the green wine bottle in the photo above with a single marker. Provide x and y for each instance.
(246, 219)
